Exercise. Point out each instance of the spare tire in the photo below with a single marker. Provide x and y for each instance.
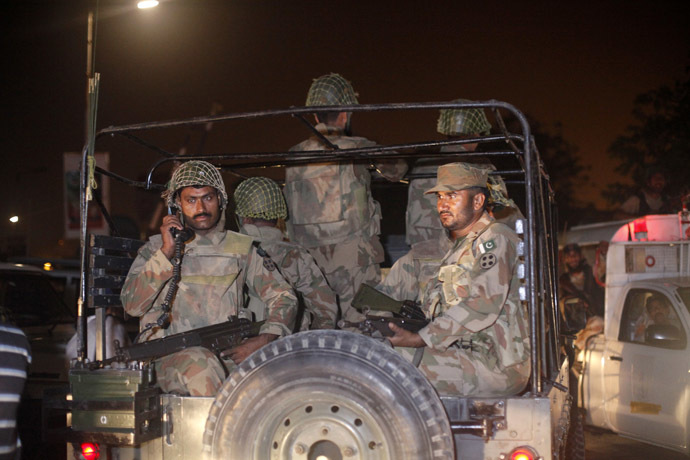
(327, 395)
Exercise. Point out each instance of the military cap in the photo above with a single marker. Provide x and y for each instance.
(459, 176)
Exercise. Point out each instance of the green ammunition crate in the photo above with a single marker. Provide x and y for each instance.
(115, 402)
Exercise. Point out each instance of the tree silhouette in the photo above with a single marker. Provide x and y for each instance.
(659, 137)
(565, 169)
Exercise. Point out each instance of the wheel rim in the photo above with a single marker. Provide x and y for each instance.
(319, 429)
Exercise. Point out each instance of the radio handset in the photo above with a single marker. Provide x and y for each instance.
(180, 236)
(183, 235)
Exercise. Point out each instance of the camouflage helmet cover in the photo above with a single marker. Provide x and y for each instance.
(195, 173)
(331, 89)
(453, 122)
(260, 198)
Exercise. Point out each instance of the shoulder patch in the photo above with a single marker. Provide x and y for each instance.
(487, 261)
(487, 246)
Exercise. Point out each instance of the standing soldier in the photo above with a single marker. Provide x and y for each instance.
(260, 207)
(477, 342)
(332, 212)
(215, 266)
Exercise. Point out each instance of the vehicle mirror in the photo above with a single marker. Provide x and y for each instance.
(665, 336)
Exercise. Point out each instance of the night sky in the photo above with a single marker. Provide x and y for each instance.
(581, 66)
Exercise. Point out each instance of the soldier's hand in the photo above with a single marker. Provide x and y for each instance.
(169, 221)
(249, 346)
(404, 338)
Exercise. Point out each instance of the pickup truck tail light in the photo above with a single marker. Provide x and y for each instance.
(90, 451)
(523, 453)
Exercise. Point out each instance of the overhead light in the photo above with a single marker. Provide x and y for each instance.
(147, 4)
(14, 219)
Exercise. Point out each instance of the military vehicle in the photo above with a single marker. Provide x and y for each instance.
(327, 394)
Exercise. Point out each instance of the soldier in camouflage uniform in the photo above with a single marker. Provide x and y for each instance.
(477, 342)
(261, 209)
(215, 266)
(332, 212)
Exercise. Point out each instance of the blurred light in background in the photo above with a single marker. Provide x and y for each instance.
(147, 4)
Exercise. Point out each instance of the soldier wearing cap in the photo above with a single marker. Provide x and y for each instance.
(332, 212)
(477, 341)
(215, 267)
(261, 211)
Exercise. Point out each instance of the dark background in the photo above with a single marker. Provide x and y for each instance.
(578, 65)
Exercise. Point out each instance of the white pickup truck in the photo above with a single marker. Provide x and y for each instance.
(635, 376)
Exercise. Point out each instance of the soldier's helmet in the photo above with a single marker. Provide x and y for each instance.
(454, 122)
(195, 173)
(331, 89)
(260, 198)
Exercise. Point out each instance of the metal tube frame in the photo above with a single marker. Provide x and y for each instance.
(539, 279)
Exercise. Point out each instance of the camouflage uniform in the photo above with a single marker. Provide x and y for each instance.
(474, 300)
(421, 217)
(299, 269)
(334, 216)
(214, 270)
(409, 275)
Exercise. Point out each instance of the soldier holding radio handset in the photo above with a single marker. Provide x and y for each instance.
(214, 268)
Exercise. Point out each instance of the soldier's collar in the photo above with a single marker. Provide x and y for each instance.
(478, 227)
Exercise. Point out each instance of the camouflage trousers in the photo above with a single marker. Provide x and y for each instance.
(346, 266)
(194, 371)
(459, 372)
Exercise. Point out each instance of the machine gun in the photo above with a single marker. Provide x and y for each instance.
(217, 338)
(367, 298)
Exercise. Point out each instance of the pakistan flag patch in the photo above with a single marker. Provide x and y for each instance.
(487, 246)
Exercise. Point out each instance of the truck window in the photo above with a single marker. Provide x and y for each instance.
(643, 308)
